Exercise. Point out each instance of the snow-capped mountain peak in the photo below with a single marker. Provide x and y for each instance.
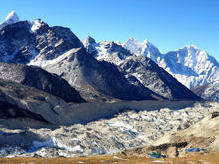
(134, 42)
(10, 19)
(145, 48)
(190, 65)
(88, 41)
(192, 46)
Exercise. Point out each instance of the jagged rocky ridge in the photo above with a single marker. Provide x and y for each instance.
(189, 65)
(142, 68)
(208, 92)
(40, 79)
(21, 45)
(59, 51)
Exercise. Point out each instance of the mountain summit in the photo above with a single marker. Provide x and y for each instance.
(189, 65)
(146, 48)
(10, 19)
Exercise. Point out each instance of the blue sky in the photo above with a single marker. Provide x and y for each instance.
(168, 24)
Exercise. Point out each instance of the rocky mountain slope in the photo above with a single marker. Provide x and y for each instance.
(59, 51)
(142, 68)
(189, 65)
(107, 51)
(19, 101)
(96, 78)
(21, 42)
(208, 92)
(39, 79)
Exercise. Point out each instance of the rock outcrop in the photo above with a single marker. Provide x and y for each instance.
(17, 100)
(209, 92)
(40, 79)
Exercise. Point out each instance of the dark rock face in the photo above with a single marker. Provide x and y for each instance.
(17, 100)
(17, 43)
(156, 78)
(12, 111)
(84, 72)
(54, 41)
(40, 79)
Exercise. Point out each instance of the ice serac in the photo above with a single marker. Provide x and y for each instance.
(208, 92)
(10, 19)
(39, 79)
(189, 65)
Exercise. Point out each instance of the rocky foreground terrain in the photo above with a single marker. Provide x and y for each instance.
(126, 130)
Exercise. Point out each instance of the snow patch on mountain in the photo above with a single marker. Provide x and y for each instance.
(108, 51)
(146, 48)
(36, 24)
(10, 19)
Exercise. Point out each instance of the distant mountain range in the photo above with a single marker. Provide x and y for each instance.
(106, 70)
(189, 65)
